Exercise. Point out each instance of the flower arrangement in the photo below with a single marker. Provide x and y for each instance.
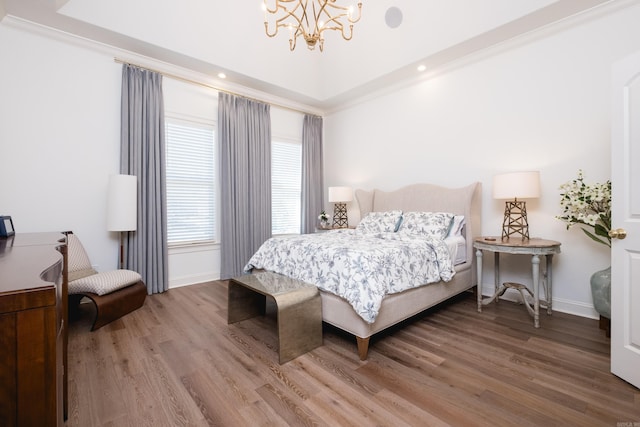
(324, 219)
(589, 205)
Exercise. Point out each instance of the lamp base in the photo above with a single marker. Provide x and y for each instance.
(340, 216)
(515, 220)
(121, 250)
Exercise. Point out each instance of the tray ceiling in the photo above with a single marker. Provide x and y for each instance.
(211, 36)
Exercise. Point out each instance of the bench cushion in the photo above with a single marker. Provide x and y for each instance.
(105, 282)
(79, 274)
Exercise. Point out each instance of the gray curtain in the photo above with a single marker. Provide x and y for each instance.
(312, 175)
(142, 153)
(244, 135)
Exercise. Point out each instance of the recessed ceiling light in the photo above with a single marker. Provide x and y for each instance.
(222, 75)
(421, 68)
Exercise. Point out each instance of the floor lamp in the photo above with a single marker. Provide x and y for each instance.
(122, 207)
(516, 185)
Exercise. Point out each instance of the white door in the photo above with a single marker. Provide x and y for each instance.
(625, 252)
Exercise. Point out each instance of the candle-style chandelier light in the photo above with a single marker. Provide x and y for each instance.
(310, 19)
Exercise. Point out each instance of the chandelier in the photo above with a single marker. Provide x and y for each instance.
(310, 19)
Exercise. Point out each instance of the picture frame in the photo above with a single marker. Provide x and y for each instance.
(6, 226)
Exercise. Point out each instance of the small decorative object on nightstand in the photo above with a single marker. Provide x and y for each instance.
(534, 247)
(324, 220)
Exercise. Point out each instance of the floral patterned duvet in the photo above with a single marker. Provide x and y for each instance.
(359, 267)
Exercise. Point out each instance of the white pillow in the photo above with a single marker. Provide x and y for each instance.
(379, 222)
(427, 224)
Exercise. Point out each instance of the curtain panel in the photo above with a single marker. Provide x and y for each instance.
(312, 173)
(244, 135)
(142, 153)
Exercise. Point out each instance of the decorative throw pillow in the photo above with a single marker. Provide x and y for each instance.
(380, 222)
(457, 224)
(427, 224)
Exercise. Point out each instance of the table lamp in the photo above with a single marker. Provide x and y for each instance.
(122, 207)
(340, 196)
(516, 185)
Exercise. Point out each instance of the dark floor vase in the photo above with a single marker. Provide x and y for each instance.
(601, 292)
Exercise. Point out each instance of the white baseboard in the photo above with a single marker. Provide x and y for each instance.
(178, 282)
(574, 307)
(561, 305)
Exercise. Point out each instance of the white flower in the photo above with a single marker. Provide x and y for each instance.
(588, 205)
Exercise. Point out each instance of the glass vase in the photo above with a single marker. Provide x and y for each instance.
(601, 292)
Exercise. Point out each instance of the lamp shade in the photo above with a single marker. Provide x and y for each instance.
(517, 185)
(340, 194)
(122, 204)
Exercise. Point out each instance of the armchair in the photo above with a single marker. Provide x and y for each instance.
(114, 293)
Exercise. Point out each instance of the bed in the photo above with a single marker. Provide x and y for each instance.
(423, 281)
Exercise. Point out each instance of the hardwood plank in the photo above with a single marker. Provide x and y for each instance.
(410, 413)
(211, 400)
(175, 361)
(287, 406)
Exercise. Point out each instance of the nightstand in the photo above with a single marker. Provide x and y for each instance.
(535, 248)
(322, 230)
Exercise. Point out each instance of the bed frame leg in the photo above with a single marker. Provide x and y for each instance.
(363, 347)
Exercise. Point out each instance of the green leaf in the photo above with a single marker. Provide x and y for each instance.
(596, 239)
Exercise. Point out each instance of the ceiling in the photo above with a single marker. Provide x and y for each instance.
(212, 36)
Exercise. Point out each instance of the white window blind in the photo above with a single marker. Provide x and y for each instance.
(191, 182)
(286, 187)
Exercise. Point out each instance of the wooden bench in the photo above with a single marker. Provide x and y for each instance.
(299, 309)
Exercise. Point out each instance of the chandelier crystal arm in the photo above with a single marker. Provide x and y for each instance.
(347, 11)
(280, 22)
(307, 22)
(319, 25)
(339, 26)
(341, 29)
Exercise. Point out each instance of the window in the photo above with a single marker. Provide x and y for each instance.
(286, 187)
(191, 182)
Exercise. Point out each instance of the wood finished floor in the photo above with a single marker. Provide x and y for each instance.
(176, 362)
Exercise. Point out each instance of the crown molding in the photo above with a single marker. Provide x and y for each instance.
(167, 69)
(413, 77)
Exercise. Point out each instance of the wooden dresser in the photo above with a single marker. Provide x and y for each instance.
(33, 329)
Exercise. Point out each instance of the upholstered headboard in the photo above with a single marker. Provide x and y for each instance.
(429, 198)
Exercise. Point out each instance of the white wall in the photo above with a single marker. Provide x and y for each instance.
(60, 140)
(537, 104)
